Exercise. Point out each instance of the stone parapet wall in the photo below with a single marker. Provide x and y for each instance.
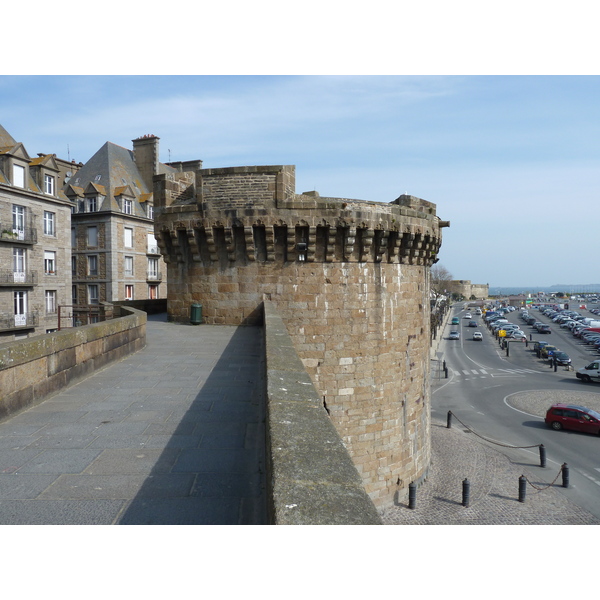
(33, 369)
(350, 280)
(311, 477)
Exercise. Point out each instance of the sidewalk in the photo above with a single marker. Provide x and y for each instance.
(458, 454)
(170, 435)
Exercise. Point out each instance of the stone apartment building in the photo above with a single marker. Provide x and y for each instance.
(35, 248)
(114, 253)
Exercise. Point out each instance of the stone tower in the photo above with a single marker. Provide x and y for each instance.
(350, 279)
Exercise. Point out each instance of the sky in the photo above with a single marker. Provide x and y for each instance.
(511, 161)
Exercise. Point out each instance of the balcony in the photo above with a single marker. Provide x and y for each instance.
(26, 235)
(12, 278)
(153, 276)
(14, 322)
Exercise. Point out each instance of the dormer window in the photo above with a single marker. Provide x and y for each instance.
(127, 206)
(150, 211)
(49, 184)
(19, 176)
(92, 204)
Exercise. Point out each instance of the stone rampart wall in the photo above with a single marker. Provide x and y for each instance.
(33, 369)
(311, 477)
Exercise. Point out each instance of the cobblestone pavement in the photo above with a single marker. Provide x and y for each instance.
(493, 478)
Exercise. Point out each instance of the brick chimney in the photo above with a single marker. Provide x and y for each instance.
(145, 155)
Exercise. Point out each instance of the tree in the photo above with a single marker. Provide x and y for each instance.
(440, 280)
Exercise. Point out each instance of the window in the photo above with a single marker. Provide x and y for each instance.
(153, 268)
(74, 294)
(49, 262)
(73, 266)
(128, 240)
(20, 299)
(50, 297)
(49, 184)
(49, 228)
(92, 265)
(152, 291)
(152, 245)
(129, 266)
(92, 294)
(18, 176)
(92, 204)
(19, 221)
(19, 260)
(19, 265)
(128, 292)
(92, 236)
(127, 206)
(150, 211)
(73, 238)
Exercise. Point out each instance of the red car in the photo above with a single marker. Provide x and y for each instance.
(578, 418)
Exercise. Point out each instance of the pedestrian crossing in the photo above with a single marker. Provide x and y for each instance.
(491, 373)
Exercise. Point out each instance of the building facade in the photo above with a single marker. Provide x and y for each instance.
(349, 278)
(35, 249)
(115, 256)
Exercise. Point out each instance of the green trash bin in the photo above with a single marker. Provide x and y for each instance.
(196, 314)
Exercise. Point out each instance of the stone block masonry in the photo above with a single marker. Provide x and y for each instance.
(350, 280)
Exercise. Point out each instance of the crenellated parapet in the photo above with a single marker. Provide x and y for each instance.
(251, 214)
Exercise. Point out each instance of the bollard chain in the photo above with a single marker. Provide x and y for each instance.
(488, 440)
(546, 486)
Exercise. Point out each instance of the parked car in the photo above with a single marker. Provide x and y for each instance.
(543, 328)
(477, 336)
(548, 351)
(577, 418)
(562, 358)
(516, 335)
(454, 335)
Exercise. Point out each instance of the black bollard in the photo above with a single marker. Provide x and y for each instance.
(449, 420)
(412, 495)
(542, 456)
(565, 475)
(522, 488)
(466, 489)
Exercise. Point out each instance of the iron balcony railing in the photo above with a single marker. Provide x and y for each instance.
(11, 278)
(24, 235)
(27, 321)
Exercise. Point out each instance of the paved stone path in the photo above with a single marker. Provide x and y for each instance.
(170, 435)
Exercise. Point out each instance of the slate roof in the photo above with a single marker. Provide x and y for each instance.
(112, 169)
(6, 140)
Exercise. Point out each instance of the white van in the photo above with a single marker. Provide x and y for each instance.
(589, 373)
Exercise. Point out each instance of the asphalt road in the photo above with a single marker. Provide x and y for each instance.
(504, 398)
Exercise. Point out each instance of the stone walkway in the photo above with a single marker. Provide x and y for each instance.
(170, 435)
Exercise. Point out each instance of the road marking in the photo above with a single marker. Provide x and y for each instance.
(591, 478)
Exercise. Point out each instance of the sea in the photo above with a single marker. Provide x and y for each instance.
(569, 289)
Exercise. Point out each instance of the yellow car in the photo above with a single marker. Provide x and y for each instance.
(548, 351)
